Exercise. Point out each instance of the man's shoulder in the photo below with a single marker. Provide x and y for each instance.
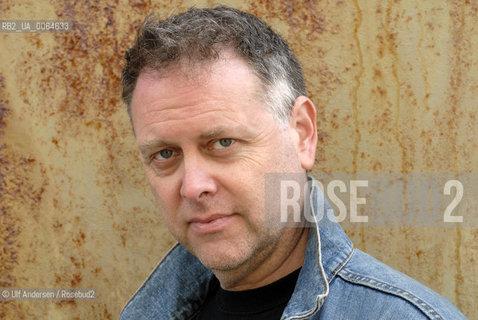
(378, 290)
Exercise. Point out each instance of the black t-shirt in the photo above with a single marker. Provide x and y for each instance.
(263, 303)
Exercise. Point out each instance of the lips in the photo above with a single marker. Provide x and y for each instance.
(211, 223)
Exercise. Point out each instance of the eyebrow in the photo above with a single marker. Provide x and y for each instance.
(147, 146)
(213, 133)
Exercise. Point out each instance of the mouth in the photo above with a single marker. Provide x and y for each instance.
(210, 224)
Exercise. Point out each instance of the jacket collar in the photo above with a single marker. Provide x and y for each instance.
(328, 249)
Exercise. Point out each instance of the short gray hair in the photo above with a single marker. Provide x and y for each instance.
(199, 35)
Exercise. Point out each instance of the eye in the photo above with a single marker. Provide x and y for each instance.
(164, 154)
(223, 143)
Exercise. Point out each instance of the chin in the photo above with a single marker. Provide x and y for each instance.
(222, 255)
(221, 261)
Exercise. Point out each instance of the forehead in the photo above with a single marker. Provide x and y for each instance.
(188, 93)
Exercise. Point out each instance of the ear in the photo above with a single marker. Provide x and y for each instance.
(303, 121)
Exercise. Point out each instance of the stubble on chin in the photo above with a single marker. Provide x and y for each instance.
(232, 266)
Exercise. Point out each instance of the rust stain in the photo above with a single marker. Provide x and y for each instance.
(303, 17)
(79, 240)
(421, 57)
(357, 77)
(76, 280)
(10, 225)
(140, 5)
(106, 313)
(382, 91)
(88, 62)
(64, 303)
(355, 107)
(458, 26)
(377, 74)
(419, 253)
(317, 24)
(459, 279)
(457, 15)
(322, 136)
(3, 109)
(392, 47)
(390, 37)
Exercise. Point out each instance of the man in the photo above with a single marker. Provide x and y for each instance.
(217, 102)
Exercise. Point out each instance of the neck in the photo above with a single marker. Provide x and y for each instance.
(285, 258)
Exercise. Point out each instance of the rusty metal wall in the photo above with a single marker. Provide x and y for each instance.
(395, 82)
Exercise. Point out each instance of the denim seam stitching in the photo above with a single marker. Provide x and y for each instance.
(334, 273)
(383, 286)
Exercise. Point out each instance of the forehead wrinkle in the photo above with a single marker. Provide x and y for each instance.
(222, 131)
(173, 115)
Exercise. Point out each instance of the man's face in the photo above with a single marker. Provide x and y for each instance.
(207, 142)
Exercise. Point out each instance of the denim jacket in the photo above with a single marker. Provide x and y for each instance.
(336, 282)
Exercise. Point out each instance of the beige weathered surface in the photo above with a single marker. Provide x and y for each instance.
(395, 83)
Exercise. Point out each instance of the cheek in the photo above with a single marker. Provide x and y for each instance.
(249, 196)
(165, 194)
(168, 204)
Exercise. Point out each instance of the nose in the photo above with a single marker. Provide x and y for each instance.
(197, 181)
